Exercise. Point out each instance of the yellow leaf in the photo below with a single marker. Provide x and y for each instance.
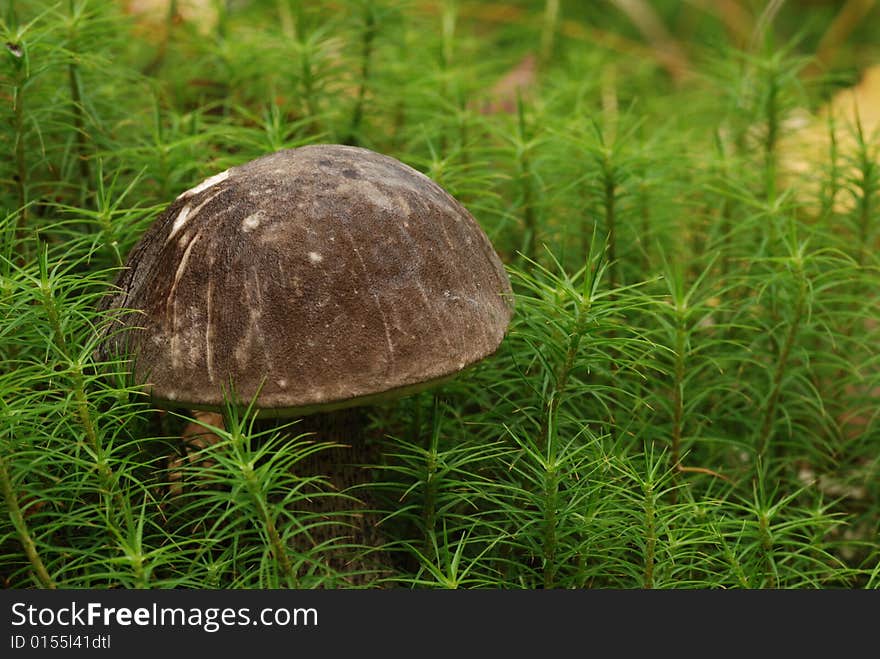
(805, 152)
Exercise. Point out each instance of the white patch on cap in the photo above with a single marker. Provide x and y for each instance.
(251, 222)
(180, 220)
(282, 383)
(183, 261)
(314, 257)
(207, 183)
(187, 213)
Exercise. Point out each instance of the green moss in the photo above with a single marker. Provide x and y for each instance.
(687, 396)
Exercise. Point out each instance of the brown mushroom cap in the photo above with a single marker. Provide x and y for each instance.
(321, 277)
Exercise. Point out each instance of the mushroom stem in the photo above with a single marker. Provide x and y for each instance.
(340, 512)
(350, 531)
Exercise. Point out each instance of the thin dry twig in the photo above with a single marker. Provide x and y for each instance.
(702, 470)
(847, 19)
(738, 22)
(503, 13)
(652, 28)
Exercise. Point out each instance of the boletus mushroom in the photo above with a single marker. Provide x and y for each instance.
(313, 281)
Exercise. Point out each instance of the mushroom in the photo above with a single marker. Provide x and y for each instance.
(313, 281)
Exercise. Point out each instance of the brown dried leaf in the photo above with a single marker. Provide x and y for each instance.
(195, 438)
(520, 80)
(196, 435)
